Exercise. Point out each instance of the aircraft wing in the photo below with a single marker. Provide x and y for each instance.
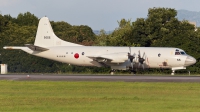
(113, 57)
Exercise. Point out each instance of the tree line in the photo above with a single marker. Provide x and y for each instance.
(161, 28)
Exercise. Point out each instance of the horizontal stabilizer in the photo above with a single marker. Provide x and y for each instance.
(15, 47)
(35, 48)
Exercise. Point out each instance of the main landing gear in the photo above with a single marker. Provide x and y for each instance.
(112, 71)
(173, 71)
(133, 72)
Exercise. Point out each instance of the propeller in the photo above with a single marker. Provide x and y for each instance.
(141, 60)
(131, 57)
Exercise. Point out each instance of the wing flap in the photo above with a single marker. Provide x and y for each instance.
(113, 57)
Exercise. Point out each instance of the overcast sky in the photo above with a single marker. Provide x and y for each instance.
(98, 14)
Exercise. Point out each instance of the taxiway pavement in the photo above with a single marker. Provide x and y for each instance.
(48, 77)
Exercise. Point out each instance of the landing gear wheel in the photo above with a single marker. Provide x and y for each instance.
(132, 71)
(172, 72)
(112, 72)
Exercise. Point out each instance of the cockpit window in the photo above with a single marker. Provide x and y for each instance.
(183, 53)
(180, 53)
(177, 53)
(177, 50)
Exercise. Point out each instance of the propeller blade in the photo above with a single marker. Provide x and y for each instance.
(143, 55)
(132, 65)
(143, 66)
(139, 65)
(130, 49)
(139, 54)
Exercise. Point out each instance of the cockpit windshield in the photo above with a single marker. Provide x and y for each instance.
(177, 52)
(183, 53)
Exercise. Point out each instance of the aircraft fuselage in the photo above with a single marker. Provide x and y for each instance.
(155, 57)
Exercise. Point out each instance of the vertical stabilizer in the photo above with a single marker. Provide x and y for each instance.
(45, 36)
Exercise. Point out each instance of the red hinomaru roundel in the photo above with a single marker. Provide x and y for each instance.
(76, 55)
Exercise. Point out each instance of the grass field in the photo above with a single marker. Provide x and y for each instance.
(99, 96)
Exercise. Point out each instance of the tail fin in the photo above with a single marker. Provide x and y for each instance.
(45, 36)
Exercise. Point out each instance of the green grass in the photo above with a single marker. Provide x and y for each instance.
(99, 96)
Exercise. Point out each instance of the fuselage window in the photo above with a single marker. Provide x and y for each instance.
(159, 55)
(83, 53)
(177, 53)
(66, 52)
(71, 52)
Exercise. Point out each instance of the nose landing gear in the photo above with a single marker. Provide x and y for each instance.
(173, 71)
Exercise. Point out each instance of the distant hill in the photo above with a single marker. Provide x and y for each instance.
(189, 15)
(97, 32)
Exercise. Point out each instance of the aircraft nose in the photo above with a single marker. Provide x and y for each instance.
(190, 61)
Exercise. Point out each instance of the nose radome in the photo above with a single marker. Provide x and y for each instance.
(190, 61)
